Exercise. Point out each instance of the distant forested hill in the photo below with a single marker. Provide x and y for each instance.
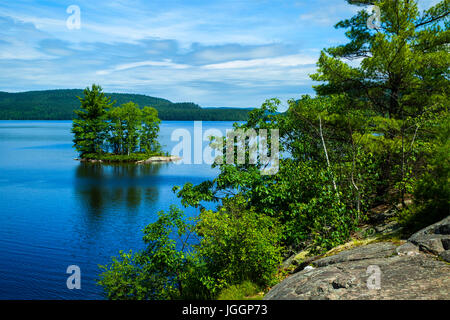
(60, 104)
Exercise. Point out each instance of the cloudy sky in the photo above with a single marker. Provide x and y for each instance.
(228, 53)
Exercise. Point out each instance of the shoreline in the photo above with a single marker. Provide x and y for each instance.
(153, 159)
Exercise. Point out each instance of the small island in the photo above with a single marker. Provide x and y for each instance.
(105, 133)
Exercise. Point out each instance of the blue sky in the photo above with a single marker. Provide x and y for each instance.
(215, 53)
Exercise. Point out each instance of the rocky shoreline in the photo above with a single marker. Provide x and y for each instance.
(156, 159)
(159, 159)
(413, 269)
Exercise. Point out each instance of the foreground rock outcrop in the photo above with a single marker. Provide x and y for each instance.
(414, 269)
(434, 239)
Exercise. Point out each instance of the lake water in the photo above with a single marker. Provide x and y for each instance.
(56, 212)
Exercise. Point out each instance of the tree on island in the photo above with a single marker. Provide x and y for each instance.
(105, 132)
(149, 130)
(91, 126)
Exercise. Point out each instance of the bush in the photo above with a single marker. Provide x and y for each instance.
(160, 270)
(197, 259)
(237, 245)
(317, 215)
(432, 190)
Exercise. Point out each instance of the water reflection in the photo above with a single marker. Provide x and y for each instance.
(100, 186)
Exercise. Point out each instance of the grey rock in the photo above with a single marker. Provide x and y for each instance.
(370, 251)
(442, 227)
(288, 262)
(406, 272)
(159, 159)
(446, 243)
(431, 243)
(345, 276)
(445, 255)
(389, 227)
(407, 249)
(435, 238)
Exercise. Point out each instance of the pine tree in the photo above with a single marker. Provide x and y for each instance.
(401, 72)
(90, 127)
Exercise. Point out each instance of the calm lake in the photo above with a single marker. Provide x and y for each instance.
(56, 212)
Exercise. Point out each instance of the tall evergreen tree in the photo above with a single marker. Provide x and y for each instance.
(404, 62)
(401, 73)
(90, 127)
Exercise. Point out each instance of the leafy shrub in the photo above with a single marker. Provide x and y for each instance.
(238, 244)
(157, 272)
(197, 259)
(313, 213)
(432, 190)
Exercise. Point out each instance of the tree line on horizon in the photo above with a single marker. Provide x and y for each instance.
(61, 104)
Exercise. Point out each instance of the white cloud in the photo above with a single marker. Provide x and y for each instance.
(284, 61)
(215, 53)
(166, 63)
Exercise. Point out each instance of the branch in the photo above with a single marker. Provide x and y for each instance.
(432, 20)
(326, 152)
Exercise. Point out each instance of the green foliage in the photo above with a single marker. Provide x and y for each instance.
(302, 195)
(150, 130)
(377, 132)
(90, 127)
(431, 191)
(238, 244)
(61, 104)
(187, 259)
(320, 218)
(244, 291)
(158, 272)
(132, 157)
(402, 74)
(124, 279)
(361, 142)
(126, 130)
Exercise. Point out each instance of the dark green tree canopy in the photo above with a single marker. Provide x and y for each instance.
(90, 126)
(104, 132)
(403, 64)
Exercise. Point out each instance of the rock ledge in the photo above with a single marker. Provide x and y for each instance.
(412, 270)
